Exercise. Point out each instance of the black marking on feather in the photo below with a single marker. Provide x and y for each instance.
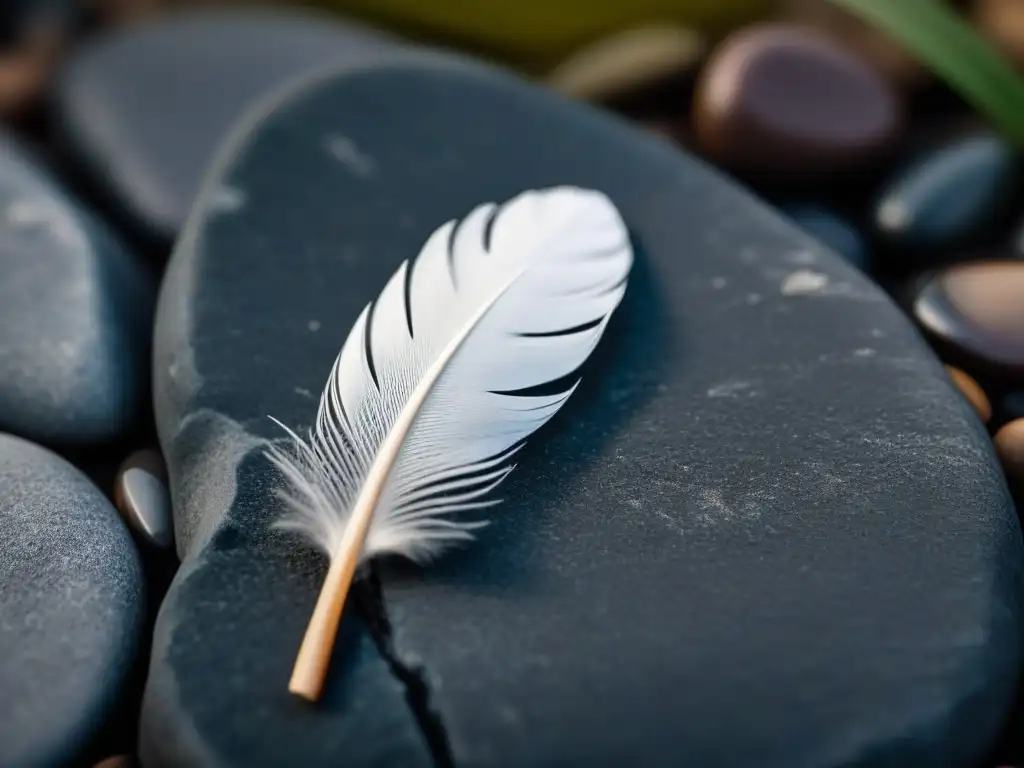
(368, 345)
(558, 386)
(565, 331)
(500, 458)
(407, 289)
(489, 226)
(451, 252)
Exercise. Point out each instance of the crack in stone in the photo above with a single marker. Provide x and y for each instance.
(369, 600)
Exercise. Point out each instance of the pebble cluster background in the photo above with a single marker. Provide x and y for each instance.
(114, 109)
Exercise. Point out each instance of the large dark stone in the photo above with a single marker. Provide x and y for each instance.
(75, 314)
(144, 108)
(766, 531)
(71, 608)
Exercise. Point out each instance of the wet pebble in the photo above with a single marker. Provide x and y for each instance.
(145, 107)
(976, 311)
(1009, 442)
(71, 608)
(972, 391)
(628, 62)
(832, 230)
(143, 500)
(1002, 22)
(781, 99)
(947, 195)
(75, 313)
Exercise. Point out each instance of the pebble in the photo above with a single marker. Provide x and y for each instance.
(780, 99)
(33, 34)
(117, 761)
(878, 49)
(75, 313)
(72, 608)
(637, 590)
(144, 107)
(832, 230)
(976, 310)
(142, 498)
(948, 195)
(1009, 442)
(536, 34)
(628, 62)
(971, 390)
(1002, 22)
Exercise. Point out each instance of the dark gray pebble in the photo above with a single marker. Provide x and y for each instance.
(75, 314)
(144, 108)
(831, 230)
(949, 195)
(71, 608)
(767, 530)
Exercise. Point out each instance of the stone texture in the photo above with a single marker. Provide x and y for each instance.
(949, 194)
(145, 107)
(766, 496)
(779, 99)
(71, 608)
(75, 314)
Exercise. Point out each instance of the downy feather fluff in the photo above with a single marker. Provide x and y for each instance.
(511, 297)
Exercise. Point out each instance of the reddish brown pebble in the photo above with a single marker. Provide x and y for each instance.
(782, 99)
(978, 310)
(1009, 442)
(118, 761)
(878, 49)
(26, 69)
(971, 390)
(1002, 22)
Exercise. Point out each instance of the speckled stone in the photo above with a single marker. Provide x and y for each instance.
(766, 497)
(144, 107)
(75, 314)
(71, 608)
(948, 195)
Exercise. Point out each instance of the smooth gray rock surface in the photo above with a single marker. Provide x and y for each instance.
(71, 608)
(144, 108)
(75, 314)
(765, 531)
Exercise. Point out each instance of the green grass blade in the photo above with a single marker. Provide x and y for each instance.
(952, 49)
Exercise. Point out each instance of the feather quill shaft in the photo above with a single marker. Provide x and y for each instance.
(469, 349)
(311, 664)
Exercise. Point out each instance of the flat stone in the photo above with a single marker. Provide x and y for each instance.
(975, 309)
(949, 194)
(627, 62)
(779, 99)
(831, 230)
(75, 314)
(143, 500)
(765, 497)
(145, 107)
(71, 608)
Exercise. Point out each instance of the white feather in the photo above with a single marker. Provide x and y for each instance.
(511, 297)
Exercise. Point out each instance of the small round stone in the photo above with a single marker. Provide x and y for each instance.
(1009, 441)
(628, 62)
(971, 390)
(117, 761)
(143, 500)
(948, 194)
(978, 310)
(1002, 22)
(783, 99)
